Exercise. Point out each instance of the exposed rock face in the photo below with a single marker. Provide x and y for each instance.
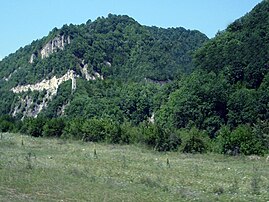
(53, 45)
(30, 109)
(85, 73)
(48, 85)
(32, 58)
(152, 118)
(88, 76)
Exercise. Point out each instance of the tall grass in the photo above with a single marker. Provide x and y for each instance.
(57, 170)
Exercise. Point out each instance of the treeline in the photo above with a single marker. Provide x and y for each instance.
(244, 139)
(133, 52)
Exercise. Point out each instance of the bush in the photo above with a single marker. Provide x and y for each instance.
(158, 138)
(194, 141)
(97, 130)
(54, 127)
(7, 123)
(73, 129)
(219, 143)
(129, 133)
(34, 126)
(113, 132)
(261, 132)
(241, 140)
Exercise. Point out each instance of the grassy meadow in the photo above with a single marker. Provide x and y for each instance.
(40, 169)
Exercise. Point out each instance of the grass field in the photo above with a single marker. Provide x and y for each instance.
(39, 169)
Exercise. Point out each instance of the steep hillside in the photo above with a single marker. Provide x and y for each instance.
(116, 81)
(228, 93)
(115, 49)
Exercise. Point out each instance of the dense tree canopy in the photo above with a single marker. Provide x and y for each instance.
(218, 100)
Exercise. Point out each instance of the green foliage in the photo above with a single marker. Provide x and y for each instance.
(194, 141)
(199, 101)
(240, 51)
(34, 126)
(7, 123)
(97, 130)
(243, 107)
(73, 129)
(55, 107)
(261, 132)
(227, 95)
(242, 140)
(125, 53)
(54, 127)
(158, 138)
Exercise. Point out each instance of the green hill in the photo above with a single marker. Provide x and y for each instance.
(228, 91)
(108, 60)
(115, 81)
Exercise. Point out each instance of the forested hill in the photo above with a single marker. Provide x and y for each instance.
(100, 58)
(133, 51)
(117, 81)
(228, 93)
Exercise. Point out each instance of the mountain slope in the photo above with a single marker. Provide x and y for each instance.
(116, 49)
(227, 95)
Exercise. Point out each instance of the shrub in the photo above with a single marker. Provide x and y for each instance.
(97, 130)
(194, 141)
(34, 126)
(54, 127)
(161, 139)
(113, 132)
(6, 126)
(7, 123)
(220, 143)
(241, 140)
(129, 133)
(261, 132)
(73, 129)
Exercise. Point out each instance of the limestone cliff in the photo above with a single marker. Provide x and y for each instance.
(27, 107)
(54, 45)
(50, 85)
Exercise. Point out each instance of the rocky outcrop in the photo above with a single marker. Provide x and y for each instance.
(54, 45)
(28, 108)
(87, 75)
(152, 118)
(48, 85)
(32, 58)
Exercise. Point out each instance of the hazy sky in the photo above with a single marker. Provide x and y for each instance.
(23, 21)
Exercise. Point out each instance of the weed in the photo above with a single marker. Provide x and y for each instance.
(22, 143)
(255, 181)
(28, 158)
(168, 163)
(124, 163)
(218, 190)
(95, 153)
